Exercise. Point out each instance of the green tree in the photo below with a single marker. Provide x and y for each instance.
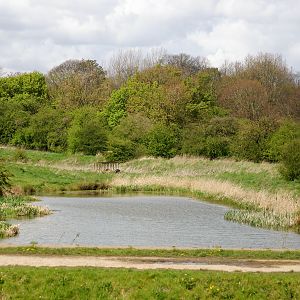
(28, 89)
(202, 90)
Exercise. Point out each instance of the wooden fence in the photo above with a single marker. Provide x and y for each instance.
(107, 166)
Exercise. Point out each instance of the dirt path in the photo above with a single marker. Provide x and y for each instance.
(229, 265)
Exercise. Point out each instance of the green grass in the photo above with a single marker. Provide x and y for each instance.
(47, 179)
(91, 283)
(174, 252)
(261, 181)
(35, 156)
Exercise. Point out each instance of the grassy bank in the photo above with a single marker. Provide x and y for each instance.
(91, 283)
(13, 207)
(174, 252)
(260, 196)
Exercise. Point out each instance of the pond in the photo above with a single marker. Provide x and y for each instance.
(142, 220)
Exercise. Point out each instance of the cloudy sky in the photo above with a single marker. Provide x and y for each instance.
(40, 34)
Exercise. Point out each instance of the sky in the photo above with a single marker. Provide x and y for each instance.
(40, 34)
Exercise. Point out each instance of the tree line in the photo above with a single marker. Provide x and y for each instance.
(160, 105)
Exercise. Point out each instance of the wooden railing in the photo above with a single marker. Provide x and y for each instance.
(107, 166)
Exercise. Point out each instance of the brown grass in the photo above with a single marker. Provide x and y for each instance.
(281, 202)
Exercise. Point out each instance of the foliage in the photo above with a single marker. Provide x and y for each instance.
(76, 83)
(28, 89)
(163, 141)
(251, 141)
(87, 133)
(47, 130)
(12, 119)
(159, 105)
(202, 93)
(212, 140)
(120, 150)
(290, 168)
(288, 131)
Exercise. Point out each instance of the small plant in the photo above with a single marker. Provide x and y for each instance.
(20, 155)
(33, 243)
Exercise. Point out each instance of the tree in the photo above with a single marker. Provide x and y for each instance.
(188, 64)
(202, 94)
(76, 83)
(28, 89)
(272, 72)
(244, 98)
(124, 64)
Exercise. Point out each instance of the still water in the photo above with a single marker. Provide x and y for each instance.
(143, 221)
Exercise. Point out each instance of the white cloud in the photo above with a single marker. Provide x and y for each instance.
(39, 34)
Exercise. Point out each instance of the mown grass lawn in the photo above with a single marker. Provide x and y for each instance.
(92, 283)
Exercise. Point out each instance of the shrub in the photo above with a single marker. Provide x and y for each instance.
(288, 131)
(290, 163)
(120, 150)
(163, 141)
(251, 141)
(87, 133)
(20, 155)
(4, 180)
(216, 147)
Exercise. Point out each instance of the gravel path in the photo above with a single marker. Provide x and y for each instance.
(228, 265)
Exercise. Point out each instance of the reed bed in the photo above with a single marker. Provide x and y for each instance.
(264, 209)
(17, 207)
(280, 202)
(263, 218)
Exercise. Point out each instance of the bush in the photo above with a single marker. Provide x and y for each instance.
(290, 163)
(163, 141)
(87, 133)
(211, 139)
(120, 150)
(4, 180)
(20, 155)
(288, 131)
(251, 141)
(216, 147)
